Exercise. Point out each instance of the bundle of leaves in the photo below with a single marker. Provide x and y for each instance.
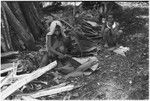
(29, 61)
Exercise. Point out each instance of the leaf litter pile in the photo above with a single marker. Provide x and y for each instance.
(102, 74)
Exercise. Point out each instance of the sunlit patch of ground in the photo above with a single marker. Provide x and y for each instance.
(122, 77)
(133, 4)
(119, 77)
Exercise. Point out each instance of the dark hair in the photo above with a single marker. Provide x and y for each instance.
(58, 27)
(77, 12)
(110, 13)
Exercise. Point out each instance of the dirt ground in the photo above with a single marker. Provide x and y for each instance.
(118, 77)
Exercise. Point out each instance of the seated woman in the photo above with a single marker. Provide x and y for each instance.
(58, 44)
(54, 43)
(54, 40)
(111, 31)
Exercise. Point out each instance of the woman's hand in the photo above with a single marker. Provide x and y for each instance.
(61, 56)
(66, 55)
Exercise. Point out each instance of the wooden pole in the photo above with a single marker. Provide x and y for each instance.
(50, 91)
(12, 88)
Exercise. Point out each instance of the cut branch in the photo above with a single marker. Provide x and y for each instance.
(80, 70)
(11, 75)
(87, 64)
(10, 53)
(28, 98)
(50, 91)
(12, 79)
(12, 88)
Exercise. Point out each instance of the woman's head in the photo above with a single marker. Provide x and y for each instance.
(57, 30)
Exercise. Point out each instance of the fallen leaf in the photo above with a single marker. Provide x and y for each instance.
(121, 50)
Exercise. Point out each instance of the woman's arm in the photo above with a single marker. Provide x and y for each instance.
(49, 38)
(50, 48)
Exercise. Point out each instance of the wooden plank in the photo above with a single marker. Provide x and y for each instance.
(11, 75)
(28, 98)
(12, 88)
(10, 80)
(7, 54)
(50, 91)
(87, 64)
(91, 62)
(8, 67)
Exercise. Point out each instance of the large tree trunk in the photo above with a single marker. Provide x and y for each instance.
(38, 6)
(18, 28)
(32, 18)
(5, 31)
(16, 43)
(14, 6)
(37, 17)
(3, 43)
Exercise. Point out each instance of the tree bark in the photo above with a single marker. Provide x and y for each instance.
(3, 43)
(32, 18)
(14, 6)
(38, 17)
(17, 26)
(38, 6)
(6, 31)
(15, 41)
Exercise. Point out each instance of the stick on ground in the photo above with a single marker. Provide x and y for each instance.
(50, 91)
(12, 88)
(28, 98)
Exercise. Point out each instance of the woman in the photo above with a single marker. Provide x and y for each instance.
(55, 40)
